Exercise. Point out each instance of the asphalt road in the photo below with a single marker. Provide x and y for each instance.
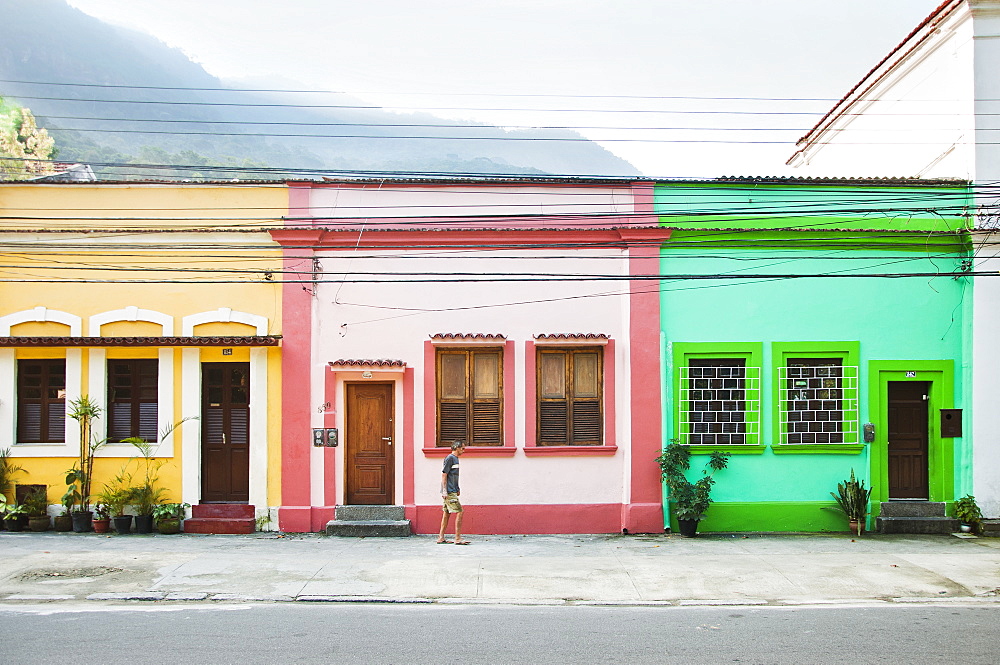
(246, 634)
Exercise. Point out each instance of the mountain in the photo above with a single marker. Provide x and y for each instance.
(47, 42)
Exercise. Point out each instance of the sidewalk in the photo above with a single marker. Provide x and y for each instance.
(630, 570)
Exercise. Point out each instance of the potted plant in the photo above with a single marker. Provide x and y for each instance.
(64, 521)
(169, 516)
(146, 495)
(690, 500)
(83, 410)
(7, 471)
(37, 503)
(102, 518)
(968, 513)
(116, 495)
(15, 515)
(852, 499)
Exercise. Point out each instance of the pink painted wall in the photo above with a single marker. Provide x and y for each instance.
(519, 488)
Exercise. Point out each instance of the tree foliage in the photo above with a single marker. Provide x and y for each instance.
(22, 142)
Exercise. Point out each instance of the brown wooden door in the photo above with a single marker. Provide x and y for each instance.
(225, 432)
(369, 445)
(908, 439)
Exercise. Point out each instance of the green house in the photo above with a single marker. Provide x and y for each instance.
(812, 328)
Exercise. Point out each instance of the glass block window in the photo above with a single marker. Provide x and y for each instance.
(719, 402)
(818, 402)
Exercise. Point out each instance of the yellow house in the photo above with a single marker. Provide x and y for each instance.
(162, 303)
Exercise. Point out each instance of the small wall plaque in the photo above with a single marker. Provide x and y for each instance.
(911, 375)
(227, 352)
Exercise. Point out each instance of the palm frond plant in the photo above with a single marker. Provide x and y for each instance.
(84, 411)
(7, 470)
(146, 495)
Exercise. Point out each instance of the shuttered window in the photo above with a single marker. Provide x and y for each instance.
(132, 399)
(470, 397)
(41, 401)
(569, 391)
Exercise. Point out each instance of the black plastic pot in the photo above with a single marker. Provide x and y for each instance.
(16, 523)
(123, 524)
(144, 524)
(83, 521)
(688, 528)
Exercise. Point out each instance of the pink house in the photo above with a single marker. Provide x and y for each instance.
(518, 315)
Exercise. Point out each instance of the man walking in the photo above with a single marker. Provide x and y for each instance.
(450, 493)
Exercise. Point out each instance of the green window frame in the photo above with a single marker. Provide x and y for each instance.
(816, 397)
(716, 394)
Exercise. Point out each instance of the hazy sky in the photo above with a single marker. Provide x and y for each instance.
(434, 53)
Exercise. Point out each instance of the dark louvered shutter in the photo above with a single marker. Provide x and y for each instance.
(41, 401)
(132, 399)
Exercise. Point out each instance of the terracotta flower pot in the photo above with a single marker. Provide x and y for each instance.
(102, 526)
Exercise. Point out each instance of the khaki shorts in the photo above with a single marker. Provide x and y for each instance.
(452, 504)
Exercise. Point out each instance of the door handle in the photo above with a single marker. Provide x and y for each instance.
(224, 438)
(387, 438)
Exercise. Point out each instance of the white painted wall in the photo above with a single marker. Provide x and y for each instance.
(915, 121)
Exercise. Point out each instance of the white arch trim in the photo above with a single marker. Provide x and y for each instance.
(223, 315)
(132, 313)
(42, 315)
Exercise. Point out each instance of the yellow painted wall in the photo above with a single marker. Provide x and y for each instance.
(65, 233)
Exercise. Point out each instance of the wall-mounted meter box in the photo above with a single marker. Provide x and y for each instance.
(951, 422)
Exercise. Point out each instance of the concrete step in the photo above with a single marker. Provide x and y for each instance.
(916, 524)
(356, 513)
(913, 509)
(368, 528)
(990, 528)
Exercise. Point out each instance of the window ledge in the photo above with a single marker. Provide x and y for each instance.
(570, 451)
(472, 451)
(821, 448)
(732, 449)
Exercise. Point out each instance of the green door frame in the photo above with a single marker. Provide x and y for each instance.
(940, 451)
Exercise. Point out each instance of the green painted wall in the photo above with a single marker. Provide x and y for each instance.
(872, 320)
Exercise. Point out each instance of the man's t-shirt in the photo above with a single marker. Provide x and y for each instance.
(451, 468)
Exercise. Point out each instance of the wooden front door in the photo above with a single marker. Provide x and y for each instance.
(908, 439)
(225, 432)
(369, 445)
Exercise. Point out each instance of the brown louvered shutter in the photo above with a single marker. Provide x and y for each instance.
(453, 405)
(470, 397)
(570, 408)
(487, 425)
(553, 406)
(132, 399)
(41, 401)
